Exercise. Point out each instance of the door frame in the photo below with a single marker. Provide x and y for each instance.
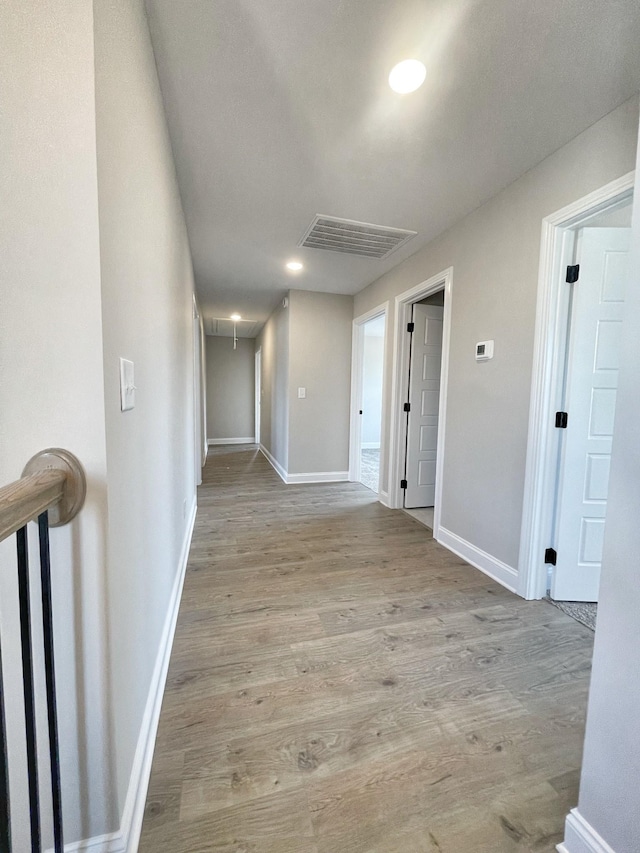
(199, 391)
(357, 366)
(258, 394)
(400, 378)
(556, 252)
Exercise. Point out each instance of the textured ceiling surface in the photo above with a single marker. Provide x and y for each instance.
(280, 109)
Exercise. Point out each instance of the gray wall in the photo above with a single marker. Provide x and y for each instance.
(320, 361)
(147, 287)
(51, 379)
(494, 253)
(95, 265)
(274, 410)
(609, 792)
(230, 388)
(307, 344)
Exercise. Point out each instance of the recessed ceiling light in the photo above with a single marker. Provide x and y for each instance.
(294, 266)
(236, 317)
(407, 76)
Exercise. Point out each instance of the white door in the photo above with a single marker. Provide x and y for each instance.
(424, 399)
(590, 401)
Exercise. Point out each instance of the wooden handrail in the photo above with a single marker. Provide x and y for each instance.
(52, 480)
(24, 500)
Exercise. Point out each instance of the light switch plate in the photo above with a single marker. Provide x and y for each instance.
(484, 350)
(127, 386)
(302, 393)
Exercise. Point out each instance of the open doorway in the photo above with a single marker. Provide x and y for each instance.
(367, 389)
(421, 350)
(231, 390)
(371, 418)
(580, 312)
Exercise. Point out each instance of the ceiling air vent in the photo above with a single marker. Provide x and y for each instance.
(354, 238)
(223, 327)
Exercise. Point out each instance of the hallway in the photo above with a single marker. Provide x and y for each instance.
(340, 683)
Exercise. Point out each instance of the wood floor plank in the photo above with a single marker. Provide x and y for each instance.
(273, 823)
(251, 765)
(340, 683)
(199, 676)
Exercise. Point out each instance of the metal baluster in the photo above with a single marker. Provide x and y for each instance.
(5, 819)
(50, 676)
(27, 678)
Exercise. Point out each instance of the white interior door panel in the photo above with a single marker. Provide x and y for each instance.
(590, 401)
(424, 399)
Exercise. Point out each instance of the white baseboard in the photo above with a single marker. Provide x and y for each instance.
(313, 477)
(370, 445)
(319, 477)
(246, 440)
(581, 837)
(133, 813)
(111, 843)
(277, 467)
(126, 839)
(496, 569)
(383, 497)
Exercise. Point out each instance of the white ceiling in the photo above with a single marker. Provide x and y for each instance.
(280, 109)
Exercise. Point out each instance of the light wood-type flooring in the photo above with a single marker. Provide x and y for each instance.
(340, 683)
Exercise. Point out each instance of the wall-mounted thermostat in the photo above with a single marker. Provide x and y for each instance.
(484, 350)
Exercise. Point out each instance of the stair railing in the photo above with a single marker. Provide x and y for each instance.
(51, 492)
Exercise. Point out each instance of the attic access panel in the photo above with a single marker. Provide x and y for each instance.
(354, 238)
(223, 327)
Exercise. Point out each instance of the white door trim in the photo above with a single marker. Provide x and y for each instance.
(257, 394)
(198, 438)
(357, 355)
(539, 489)
(403, 302)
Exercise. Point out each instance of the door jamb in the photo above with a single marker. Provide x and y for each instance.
(357, 362)
(257, 395)
(198, 392)
(403, 303)
(540, 472)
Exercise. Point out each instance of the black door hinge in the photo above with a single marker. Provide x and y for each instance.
(562, 418)
(410, 327)
(550, 556)
(573, 271)
(407, 407)
(403, 484)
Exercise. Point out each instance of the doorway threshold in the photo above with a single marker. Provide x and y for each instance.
(422, 514)
(585, 612)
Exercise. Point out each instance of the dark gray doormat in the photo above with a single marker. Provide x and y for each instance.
(582, 611)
